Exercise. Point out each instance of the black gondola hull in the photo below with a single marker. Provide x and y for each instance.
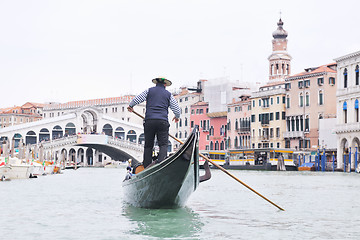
(169, 183)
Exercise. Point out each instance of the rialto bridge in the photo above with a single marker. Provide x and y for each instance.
(86, 135)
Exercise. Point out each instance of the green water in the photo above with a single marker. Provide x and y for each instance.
(87, 204)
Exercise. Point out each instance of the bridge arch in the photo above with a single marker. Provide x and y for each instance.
(17, 137)
(80, 155)
(89, 121)
(141, 139)
(107, 129)
(44, 135)
(89, 156)
(131, 136)
(30, 138)
(72, 155)
(57, 132)
(120, 133)
(70, 129)
(63, 155)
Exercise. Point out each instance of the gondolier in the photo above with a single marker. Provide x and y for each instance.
(158, 100)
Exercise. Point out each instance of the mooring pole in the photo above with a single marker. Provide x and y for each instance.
(356, 155)
(350, 160)
(333, 158)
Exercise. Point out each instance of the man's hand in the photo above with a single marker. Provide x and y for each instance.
(175, 119)
(130, 109)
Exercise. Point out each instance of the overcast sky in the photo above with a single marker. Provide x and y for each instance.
(69, 50)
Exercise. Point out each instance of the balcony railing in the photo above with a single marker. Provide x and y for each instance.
(294, 134)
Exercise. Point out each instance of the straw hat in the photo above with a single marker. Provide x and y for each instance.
(162, 80)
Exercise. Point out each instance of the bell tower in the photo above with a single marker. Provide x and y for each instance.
(279, 60)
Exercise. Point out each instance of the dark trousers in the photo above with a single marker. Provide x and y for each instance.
(160, 129)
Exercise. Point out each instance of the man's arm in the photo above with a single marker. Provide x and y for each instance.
(174, 106)
(138, 99)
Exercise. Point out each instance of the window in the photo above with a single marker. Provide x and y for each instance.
(356, 110)
(320, 81)
(287, 86)
(192, 124)
(345, 78)
(307, 124)
(186, 110)
(253, 118)
(192, 111)
(277, 100)
(307, 99)
(253, 103)
(283, 99)
(301, 100)
(271, 101)
(271, 132)
(229, 109)
(357, 75)
(277, 132)
(271, 116)
(283, 115)
(307, 83)
(332, 81)
(321, 97)
(278, 145)
(259, 102)
(345, 112)
(287, 101)
(300, 84)
(277, 116)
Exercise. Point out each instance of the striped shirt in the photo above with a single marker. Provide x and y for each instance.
(174, 106)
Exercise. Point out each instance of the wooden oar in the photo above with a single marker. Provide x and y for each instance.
(222, 169)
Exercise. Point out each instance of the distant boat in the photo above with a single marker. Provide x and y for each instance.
(310, 166)
(16, 169)
(167, 184)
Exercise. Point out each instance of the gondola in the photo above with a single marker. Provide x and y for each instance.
(170, 183)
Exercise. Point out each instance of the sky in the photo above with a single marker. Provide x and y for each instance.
(60, 51)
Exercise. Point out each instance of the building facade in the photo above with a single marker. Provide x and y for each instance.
(29, 112)
(268, 116)
(310, 97)
(347, 98)
(238, 123)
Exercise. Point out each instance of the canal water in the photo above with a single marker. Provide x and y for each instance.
(87, 204)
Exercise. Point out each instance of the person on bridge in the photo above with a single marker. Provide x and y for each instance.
(158, 100)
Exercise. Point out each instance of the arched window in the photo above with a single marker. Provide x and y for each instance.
(288, 101)
(321, 97)
(216, 145)
(301, 100)
(357, 75)
(211, 145)
(180, 135)
(236, 125)
(186, 122)
(236, 144)
(345, 112)
(185, 134)
(345, 78)
(222, 146)
(307, 127)
(356, 110)
(307, 99)
(186, 109)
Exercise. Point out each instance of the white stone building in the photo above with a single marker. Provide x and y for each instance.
(348, 97)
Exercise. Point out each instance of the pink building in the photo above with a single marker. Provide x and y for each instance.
(217, 131)
(198, 117)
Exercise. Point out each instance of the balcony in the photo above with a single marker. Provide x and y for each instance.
(243, 130)
(264, 138)
(293, 134)
(265, 122)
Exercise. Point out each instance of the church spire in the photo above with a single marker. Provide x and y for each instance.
(279, 60)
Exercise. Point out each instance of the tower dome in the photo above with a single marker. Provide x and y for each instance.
(280, 32)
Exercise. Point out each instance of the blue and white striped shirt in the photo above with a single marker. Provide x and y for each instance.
(174, 106)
